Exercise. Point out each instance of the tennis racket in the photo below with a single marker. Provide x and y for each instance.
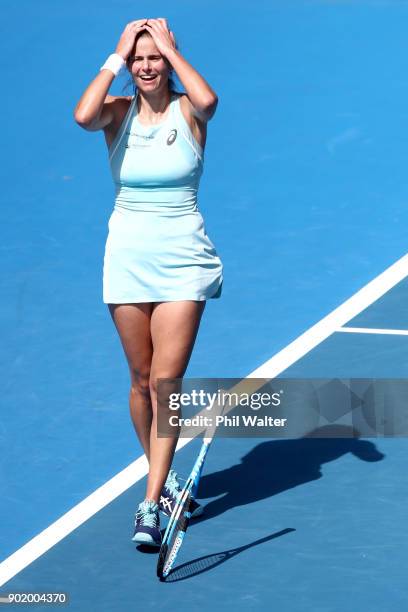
(180, 517)
(179, 520)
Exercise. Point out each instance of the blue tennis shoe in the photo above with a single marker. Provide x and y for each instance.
(147, 524)
(170, 495)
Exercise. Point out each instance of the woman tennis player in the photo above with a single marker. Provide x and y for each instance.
(160, 266)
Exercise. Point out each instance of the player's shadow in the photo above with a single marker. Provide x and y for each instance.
(278, 465)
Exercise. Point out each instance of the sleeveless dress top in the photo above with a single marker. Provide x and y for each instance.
(157, 248)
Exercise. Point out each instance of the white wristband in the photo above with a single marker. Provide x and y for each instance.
(115, 63)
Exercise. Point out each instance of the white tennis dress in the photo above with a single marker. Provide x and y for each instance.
(157, 247)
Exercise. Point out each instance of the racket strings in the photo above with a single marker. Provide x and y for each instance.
(176, 538)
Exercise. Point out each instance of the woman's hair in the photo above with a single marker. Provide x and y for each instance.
(131, 83)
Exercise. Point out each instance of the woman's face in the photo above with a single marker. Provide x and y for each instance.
(147, 66)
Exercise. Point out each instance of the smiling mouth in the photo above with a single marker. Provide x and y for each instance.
(147, 79)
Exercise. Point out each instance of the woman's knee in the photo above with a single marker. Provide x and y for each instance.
(153, 382)
(160, 389)
(140, 381)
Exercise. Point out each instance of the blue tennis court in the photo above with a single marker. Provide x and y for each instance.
(305, 194)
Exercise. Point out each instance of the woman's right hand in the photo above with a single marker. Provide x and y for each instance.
(127, 39)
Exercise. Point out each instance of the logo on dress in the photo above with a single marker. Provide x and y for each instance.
(172, 137)
(136, 140)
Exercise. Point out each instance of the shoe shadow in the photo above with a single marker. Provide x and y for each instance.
(278, 465)
(209, 562)
(149, 550)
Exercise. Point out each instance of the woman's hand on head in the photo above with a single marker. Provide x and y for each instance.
(127, 39)
(162, 36)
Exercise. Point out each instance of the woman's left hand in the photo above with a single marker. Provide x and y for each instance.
(162, 36)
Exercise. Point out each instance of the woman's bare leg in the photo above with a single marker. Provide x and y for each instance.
(174, 327)
(132, 322)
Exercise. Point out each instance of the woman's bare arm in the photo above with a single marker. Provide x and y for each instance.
(94, 110)
(202, 97)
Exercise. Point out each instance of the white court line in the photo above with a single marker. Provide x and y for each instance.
(75, 517)
(373, 330)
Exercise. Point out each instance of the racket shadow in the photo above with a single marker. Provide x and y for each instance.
(209, 562)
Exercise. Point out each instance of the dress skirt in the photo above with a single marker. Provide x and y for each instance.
(159, 256)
